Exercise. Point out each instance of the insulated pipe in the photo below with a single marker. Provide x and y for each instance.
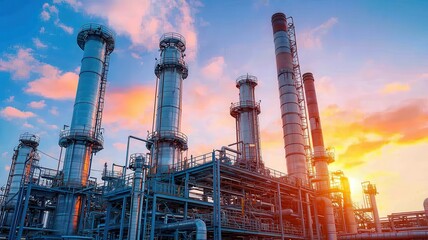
(326, 207)
(290, 109)
(320, 156)
(375, 213)
(198, 224)
(387, 235)
(171, 69)
(246, 112)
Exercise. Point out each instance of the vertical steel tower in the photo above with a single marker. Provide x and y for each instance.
(84, 138)
(167, 142)
(246, 112)
(289, 100)
(24, 158)
(321, 159)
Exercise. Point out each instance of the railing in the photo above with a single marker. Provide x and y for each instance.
(94, 28)
(25, 137)
(166, 134)
(89, 134)
(246, 77)
(235, 107)
(172, 35)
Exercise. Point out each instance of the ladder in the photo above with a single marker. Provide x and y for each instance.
(300, 93)
(100, 107)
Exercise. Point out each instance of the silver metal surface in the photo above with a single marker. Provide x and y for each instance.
(168, 141)
(197, 224)
(348, 208)
(328, 212)
(247, 123)
(84, 137)
(290, 111)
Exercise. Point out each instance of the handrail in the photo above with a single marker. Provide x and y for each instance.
(173, 35)
(168, 134)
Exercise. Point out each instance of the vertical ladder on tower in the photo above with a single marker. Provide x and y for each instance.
(7, 188)
(300, 93)
(101, 94)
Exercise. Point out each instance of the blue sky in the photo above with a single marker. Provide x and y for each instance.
(368, 59)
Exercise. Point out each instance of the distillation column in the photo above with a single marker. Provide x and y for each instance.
(84, 138)
(290, 111)
(24, 159)
(167, 142)
(246, 112)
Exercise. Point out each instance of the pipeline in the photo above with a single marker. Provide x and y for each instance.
(387, 235)
(198, 224)
(329, 224)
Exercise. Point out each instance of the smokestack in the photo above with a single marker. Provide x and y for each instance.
(290, 110)
(167, 142)
(84, 137)
(24, 158)
(321, 159)
(246, 112)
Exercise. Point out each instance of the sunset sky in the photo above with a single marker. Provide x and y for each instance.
(369, 60)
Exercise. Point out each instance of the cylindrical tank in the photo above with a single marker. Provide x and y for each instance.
(23, 161)
(350, 221)
(290, 110)
(246, 112)
(137, 164)
(167, 142)
(84, 137)
(321, 159)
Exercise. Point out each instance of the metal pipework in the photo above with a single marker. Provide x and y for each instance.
(138, 164)
(326, 208)
(84, 136)
(24, 158)
(168, 142)
(246, 112)
(426, 208)
(371, 191)
(290, 111)
(197, 224)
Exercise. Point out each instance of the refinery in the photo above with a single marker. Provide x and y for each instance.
(162, 193)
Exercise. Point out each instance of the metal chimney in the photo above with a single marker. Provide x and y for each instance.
(321, 159)
(246, 112)
(166, 142)
(25, 156)
(84, 137)
(290, 109)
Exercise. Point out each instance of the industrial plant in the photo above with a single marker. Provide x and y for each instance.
(160, 193)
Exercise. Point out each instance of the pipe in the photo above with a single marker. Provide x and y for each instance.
(326, 207)
(198, 224)
(137, 197)
(290, 109)
(387, 235)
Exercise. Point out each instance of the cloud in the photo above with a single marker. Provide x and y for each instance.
(395, 87)
(136, 55)
(119, 146)
(20, 64)
(51, 12)
(4, 154)
(54, 111)
(214, 68)
(54, 84)
(145, 21)
(42, 30)
(10, 99)
(38, 105)
(356, 135)
(13, 113)
(73, 3)
(27, 125)
(313, 38)
(39, 43)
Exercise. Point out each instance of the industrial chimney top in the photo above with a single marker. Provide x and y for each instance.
(96, 29)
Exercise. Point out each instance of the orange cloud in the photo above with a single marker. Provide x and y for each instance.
(54, 84)
(395, 87)
(12, 113)
(19, 65)
(214, 68)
